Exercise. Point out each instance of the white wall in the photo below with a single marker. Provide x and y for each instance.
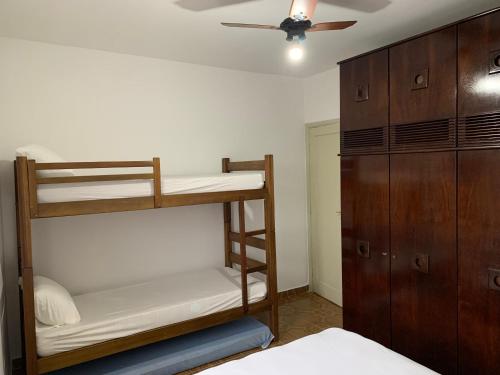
(322, 96)
(93, 105)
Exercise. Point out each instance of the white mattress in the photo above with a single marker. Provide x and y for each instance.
(142, 188)
(127, 310)
(333, 351)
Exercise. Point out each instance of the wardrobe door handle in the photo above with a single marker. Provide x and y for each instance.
(494, 279)
(363, 248)
(420, 262)
(495, 62)
(420, 79)
(362, 93)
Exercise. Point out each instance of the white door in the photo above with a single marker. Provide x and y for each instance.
(325, 229)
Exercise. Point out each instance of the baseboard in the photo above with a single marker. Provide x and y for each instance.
(293, 292)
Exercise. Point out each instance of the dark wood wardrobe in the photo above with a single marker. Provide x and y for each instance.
(420, 164)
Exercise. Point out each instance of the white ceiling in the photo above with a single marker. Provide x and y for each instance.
(163, 29)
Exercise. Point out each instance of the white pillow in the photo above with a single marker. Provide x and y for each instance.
(44, 155)
(53, 304)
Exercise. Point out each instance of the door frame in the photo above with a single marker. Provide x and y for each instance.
(308, 126)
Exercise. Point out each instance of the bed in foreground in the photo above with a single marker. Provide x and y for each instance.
(333, 351)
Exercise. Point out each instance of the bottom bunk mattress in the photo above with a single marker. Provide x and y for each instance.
(333, 351)
(128, 310)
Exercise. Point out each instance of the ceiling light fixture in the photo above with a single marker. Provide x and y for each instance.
(296, 52)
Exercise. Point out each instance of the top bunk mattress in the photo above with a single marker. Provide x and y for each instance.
(124, 311)
(170, 185)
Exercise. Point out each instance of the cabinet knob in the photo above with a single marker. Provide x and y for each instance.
(495, 62)
(420, 79)
(494, 279)
(361, 93)
(420, 262)
(363, 248)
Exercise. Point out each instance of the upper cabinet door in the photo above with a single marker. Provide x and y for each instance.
(364, 98)
(423, 78)
(479, 81)
(364, 104)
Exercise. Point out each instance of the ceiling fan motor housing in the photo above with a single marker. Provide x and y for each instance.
(295, 28)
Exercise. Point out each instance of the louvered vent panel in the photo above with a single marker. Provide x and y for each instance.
(481, 130)
(363, 141)
(423, 135)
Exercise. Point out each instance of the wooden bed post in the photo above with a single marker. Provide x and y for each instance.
(157, 182)
(272, 283)
(25, 264)
(243, 255)
(227, 221)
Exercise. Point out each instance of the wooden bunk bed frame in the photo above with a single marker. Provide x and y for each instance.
(28, 209)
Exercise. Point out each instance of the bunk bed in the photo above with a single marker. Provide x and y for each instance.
(39, 196)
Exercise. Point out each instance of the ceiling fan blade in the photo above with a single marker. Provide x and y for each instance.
(303, 9)
(201, 5)
(250, 26)
(325, 26)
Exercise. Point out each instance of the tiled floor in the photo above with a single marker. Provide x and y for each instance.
(300, 316)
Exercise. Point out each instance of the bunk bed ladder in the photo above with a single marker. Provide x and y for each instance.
(244, 238)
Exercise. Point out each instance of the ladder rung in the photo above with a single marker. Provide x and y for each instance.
(255, 233)
(258, 243)
(252, 264)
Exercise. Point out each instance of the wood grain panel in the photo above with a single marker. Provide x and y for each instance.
(364, 99)
(433, 58)
(479, 252)
(478, 45)
(424, 264)
(365, 217)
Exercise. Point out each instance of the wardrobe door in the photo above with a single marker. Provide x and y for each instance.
(364, 100)
(364, 103)
(424, 261)
(365, 246)
(423, 92)
(479, 262)
(479, 81)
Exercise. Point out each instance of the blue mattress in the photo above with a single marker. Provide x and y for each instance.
(180, 353)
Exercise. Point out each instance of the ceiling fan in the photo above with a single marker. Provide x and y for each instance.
(298, 22)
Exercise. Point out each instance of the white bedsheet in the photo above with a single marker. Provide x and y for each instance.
(142, 188)
(127, 310)
(333, 351)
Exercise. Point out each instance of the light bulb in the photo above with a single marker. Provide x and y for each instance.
(296, 53)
